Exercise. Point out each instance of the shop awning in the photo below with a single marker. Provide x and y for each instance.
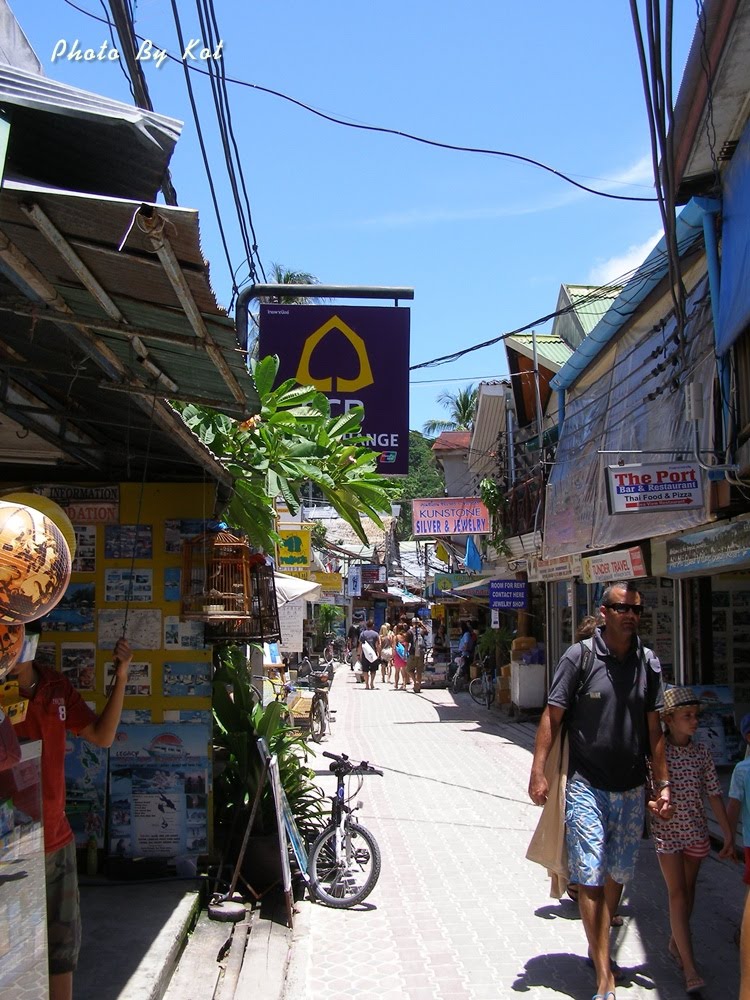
(111, 297)
(478, 587)
(107, 309)
(405, 596)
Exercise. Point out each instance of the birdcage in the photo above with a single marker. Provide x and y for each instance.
(231, 589)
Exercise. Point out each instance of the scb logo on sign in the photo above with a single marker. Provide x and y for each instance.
(356, 356)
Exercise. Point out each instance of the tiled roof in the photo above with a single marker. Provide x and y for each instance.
(452, 441)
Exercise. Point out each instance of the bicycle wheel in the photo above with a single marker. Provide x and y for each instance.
(317, 720)
(489, 693)
(476, 690)
(347, 880)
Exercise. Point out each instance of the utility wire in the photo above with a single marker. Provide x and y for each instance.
(217, 74)
(199, 132)
(383, 130)
(642, 274)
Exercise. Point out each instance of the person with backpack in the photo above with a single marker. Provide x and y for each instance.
(607, 691)
(415, 649)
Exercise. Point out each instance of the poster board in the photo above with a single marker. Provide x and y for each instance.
(284, 820)
(158, 794)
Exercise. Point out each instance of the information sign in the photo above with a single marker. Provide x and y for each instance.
(509, 595)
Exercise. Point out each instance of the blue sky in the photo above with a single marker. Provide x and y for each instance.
(484, 241)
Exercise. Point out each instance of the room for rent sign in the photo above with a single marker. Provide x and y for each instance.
(449, 516)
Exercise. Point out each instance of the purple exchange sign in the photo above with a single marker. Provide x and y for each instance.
(354, 355)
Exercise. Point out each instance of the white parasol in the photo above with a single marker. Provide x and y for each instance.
(289, 588)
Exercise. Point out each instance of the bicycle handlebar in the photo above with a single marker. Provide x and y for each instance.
(342, 762)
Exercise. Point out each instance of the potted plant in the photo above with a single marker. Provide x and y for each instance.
(239, 720)
(328, 616)
(495, 644)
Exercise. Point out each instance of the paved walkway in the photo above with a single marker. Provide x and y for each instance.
(458, 913)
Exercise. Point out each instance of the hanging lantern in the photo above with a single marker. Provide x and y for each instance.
(231, 589)
(11, 643)
(34, 563)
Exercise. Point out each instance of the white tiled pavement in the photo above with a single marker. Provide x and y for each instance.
(458, 913)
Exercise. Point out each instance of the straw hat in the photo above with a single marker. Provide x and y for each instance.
(678, 697)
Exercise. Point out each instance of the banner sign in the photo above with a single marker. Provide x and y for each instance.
(667, 486)
(448, 581)
(86, 504)
(332, 583)
(627, 564)
(291, 626)
(720, 548)
(294, 547)
(372, 573)
(354, 581)
(509, 595)
(549, 570)
(357, 356)
(449, 516)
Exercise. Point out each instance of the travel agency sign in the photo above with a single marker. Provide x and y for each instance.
(356, 356)
(667, 486)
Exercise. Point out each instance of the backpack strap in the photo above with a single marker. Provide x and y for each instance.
(585, 664)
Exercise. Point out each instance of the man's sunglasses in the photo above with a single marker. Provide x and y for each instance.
(622, 609)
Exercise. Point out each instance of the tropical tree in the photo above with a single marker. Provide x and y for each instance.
(292, 441)
(281, 275)
(461, 407)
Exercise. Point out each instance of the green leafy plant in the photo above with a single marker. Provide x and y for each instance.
(495, 643)
(328, 615)
(239, 720)
(294, 440)
(494, 500)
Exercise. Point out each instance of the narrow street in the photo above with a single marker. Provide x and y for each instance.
(458, 913)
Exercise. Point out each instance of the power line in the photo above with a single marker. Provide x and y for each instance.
(383, 130)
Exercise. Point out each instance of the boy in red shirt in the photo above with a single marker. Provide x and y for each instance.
(55, 709)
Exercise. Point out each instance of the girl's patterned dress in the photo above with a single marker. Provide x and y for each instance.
(693, 776)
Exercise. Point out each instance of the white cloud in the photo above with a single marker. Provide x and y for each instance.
(639, 174)
(608, 271)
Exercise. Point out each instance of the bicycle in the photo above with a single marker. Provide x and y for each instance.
(482, 688)
(344, 861)
(459, 680)
(320, 713)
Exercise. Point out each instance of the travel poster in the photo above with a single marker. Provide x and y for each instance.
(84, 560)
(75, 612)
(128, 585)
(139, 678)
(78, 663)
(86, 783)
(143, 629)
(159, 784)
(186, 678)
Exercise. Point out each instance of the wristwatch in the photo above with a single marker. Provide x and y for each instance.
(662, 784)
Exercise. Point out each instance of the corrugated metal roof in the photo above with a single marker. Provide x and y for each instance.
(69, 138)
(550, 350)
(591, 302)
(489, 422)
(648, 276)
(134, 279)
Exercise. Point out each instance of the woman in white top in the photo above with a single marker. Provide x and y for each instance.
(386, 652)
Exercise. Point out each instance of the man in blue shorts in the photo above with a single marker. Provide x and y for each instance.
(608, 691)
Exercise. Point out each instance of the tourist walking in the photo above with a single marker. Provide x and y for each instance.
(608, 690)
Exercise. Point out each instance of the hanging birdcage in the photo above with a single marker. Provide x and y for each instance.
(231, 589)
